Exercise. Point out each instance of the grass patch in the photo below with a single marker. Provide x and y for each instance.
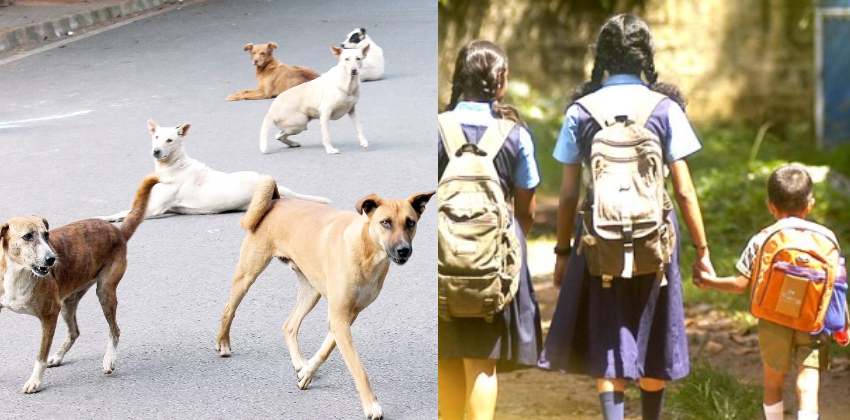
(710, 394)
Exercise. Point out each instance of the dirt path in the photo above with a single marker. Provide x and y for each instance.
(715, 338)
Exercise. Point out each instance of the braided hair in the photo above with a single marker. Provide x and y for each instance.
(624, 45)
(480, 74)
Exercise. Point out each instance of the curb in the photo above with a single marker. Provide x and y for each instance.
(57, 29)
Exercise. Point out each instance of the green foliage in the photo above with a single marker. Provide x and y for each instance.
(710, 394)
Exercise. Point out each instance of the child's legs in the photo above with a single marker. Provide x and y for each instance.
(610, 385)
(773, 381)
(481, 388)
(811, 356)
(451, 389)
(651, 384)
(776, 345)
(807, 389)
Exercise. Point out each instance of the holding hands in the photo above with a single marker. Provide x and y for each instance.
(703, 270)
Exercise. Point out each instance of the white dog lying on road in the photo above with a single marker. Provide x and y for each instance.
(187, 186)
(373, 64)
(328, 97)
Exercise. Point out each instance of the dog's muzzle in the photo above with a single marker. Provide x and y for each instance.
(157, 153)
(401, 254)
(354, 72)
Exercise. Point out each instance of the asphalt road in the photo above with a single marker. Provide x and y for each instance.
(85, 148)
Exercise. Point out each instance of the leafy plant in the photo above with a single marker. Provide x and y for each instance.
(711, 394)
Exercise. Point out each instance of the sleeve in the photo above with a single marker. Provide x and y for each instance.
(442, 157)
(567, 150)
(745, 261)
(681, 139)
(526, 175)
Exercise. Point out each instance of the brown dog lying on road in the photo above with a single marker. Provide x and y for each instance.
(45, 273)
(341, 255)
(273, 77)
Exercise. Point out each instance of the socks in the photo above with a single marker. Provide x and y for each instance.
(807, 415)
(613, 405)
(773, 411)
(650, 404)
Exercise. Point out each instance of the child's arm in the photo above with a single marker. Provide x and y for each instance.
(733, 284)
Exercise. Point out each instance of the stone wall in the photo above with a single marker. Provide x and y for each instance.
(745, 60)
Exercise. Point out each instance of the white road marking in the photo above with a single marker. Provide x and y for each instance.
(19, 123)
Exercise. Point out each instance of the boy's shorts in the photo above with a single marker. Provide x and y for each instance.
(783, 347)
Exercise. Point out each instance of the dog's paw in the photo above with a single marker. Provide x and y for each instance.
(373, 411)
(223, 348)
(55, 360)
(108, 365)
(232, 97)
(364, 143)
(31, 387)
(331, 150)
(305, 377)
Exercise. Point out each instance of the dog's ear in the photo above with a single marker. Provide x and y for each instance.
(182, 129)
(46, 225)
(248, 47)
(152, 126)
(273, 45)
(368, 204)
(4, 228)
(336, 51)
(418, 201)
(365, 50)
(363, 31)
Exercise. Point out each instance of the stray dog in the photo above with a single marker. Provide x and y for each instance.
(47, 273)
(329, 97)
(273, 77)
(343, 256)
(373, 65)
(190, 187)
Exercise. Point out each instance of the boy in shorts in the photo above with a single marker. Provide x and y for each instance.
(790, 200)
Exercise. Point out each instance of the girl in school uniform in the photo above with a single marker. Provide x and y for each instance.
(470, 349)
(633, 330)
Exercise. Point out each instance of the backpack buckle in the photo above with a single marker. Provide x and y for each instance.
(471, 148)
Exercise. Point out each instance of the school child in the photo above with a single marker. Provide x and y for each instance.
(620, 316)
(488, 314)
(793, 269)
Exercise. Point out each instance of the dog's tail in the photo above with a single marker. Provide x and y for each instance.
(140, 205)
(261, 202)
(286, 192)
(264, 134)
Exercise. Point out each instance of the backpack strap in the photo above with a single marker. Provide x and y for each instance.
(641, 107)
(495, 136)
(451, 133)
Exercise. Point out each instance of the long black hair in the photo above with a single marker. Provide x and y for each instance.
(624, 45)
(480, 72)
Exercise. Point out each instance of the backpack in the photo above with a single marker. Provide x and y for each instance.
(837, 319)
(793, 277)
(625, 213)
(478, 250)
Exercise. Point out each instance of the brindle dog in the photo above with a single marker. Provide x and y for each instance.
(46, 273)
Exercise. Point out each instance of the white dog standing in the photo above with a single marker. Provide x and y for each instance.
(187, 186)
(330, 96)
(373, 64)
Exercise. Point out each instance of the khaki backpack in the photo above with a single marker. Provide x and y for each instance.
(794, 276)
(626, 229)
(478, 250)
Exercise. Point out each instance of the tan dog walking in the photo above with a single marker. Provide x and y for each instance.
(273, 77)
(340, 255)
(47, 273)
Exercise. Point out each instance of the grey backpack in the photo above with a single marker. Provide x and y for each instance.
(478, 250)
(625, 215)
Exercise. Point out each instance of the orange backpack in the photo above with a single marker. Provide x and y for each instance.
(793, 277)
